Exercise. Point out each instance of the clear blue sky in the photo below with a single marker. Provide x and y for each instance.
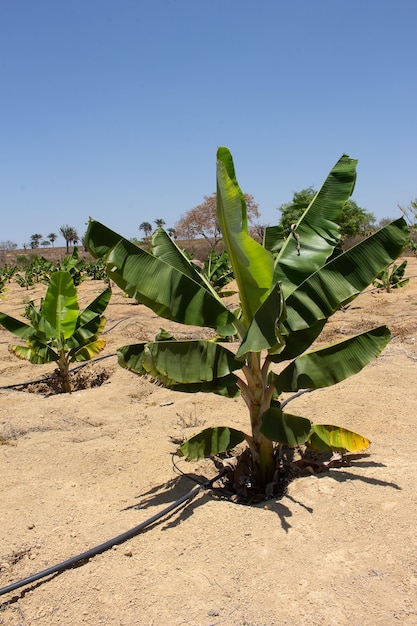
(115, 109)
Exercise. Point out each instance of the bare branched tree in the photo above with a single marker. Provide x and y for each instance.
(201, 221)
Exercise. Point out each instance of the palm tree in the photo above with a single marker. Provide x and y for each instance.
(52, 237)
(147, 228)
(35, 240)
(172, 233)
(70, 234)
(159, 222)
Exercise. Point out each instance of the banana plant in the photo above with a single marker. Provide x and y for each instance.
(392, 277)
(288, 288)
(58, 331)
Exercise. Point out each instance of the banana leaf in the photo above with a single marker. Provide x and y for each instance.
(252, 264)
(60, 306)
(344, 277)
(327, 437)
(35, 353)
(274, 238)
(330, 365)
(164, 248)
(210, 442)
(263, 332)
(285, 428)
(96, 307)
(86, 333)
(88, 351)
(317, 231)
(297, 342)
(164, 288)
(17, 327)
(180, 362)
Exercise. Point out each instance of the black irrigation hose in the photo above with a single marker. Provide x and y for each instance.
(112, 542)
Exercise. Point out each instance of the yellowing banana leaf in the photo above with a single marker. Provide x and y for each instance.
(60, 306)
(210, 442)
(88, 351)
(164, 288)
(326, 437)
(252, 264)
(263, 332)
(344, 277)
(316, 233)
(36, 355)
(332, 364)
(285, 428)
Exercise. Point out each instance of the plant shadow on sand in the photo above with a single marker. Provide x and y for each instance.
(175, 488)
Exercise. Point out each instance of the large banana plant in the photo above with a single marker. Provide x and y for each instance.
(288, 288)
(58, 331)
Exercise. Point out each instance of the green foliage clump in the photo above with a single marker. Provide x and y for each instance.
(392, 277)
(353, 220)
(58, 331)
(288, 288)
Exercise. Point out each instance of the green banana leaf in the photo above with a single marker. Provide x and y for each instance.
(344, 277)
(87, 333)
(17, 327)
(327, 437)
(60, 306)
(263, 332)
(330, 365)
(90, 322)
(274, 238)
(297, 342)
(210, 442)
(184, 365)
(164, 248)
(252, 264)
(317, 231)
(285, 428)
(96, 307)
(164, 288)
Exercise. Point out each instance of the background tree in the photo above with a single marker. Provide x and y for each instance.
(354, 219)
(8, 245)
(257, 231)
(147, 229)
(159, 222)
(45, 243)
(201, 221)
(172, 233)
(52, 238)
(35, 240)
(410, 215)
(69, 234)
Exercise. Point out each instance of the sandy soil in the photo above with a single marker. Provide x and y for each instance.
(76, 470)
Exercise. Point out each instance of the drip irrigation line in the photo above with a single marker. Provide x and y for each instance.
(60, 567)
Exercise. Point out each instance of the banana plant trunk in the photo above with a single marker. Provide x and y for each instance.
(63, 366)
(258, 395)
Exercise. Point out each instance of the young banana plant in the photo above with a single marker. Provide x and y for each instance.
(59, 332)
(288, 288)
